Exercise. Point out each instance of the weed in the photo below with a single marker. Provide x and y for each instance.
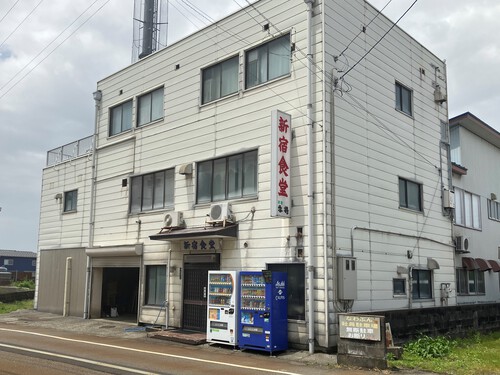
(29, 284)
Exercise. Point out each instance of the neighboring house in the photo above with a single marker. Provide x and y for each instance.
(22, 264)
(475, 154)
(193, 169)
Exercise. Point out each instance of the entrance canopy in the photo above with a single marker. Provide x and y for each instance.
(177, 234)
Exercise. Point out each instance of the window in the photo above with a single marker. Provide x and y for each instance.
(155, 285)
(150, 107)
(399, 287)
(421, 284)
(470, 281)
(296, 288)
(493, 210)
(268, 61)
(455, 152)
(467, 209)
(227, 178)
(8, 262)
(410, 195)
(70, 198)
(33, 263)
(220, 80)
(152, 191)
(403, 99)
(121, 118)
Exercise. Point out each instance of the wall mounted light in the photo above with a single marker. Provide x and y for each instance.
(97, 95)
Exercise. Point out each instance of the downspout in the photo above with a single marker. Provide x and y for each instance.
(310, 193)
(88, 273)
(167, 291)
(324, 187)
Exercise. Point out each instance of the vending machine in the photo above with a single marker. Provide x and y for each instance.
(263, 311)
(222, 309)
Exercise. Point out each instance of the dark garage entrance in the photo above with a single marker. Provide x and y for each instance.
(120, 287)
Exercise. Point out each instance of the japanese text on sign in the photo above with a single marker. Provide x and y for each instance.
(360, 327)
(281, 137)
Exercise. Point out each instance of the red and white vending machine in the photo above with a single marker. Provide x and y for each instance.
(222, 309)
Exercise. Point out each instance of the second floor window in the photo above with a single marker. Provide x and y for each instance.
(410, 195)
(227, 178)
(493, 210)
(70, 198)
(467, 209)
(403, 99)
(152, 191)
(220, 80)
(150, 107)
(268, 61)
(121, 118)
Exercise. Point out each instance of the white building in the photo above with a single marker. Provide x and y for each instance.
(190, 127)
(475, 154)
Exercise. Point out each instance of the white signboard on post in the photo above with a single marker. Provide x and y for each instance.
(281, 142)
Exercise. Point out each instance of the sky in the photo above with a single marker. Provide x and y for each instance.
(53, 52)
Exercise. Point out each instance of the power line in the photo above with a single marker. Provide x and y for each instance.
(18, 26)
(12, 7)
(365, 27)
(50, 53)
(383, 36)
(48, 45)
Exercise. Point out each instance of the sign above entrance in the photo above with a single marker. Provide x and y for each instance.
(202, 244)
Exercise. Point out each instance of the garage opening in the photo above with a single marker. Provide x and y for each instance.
(120, 288)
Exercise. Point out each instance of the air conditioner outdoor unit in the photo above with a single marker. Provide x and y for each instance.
(173, 219)
(220, 213)
(462, 244)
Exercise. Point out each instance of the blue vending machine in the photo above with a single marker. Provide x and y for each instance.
(263, 323)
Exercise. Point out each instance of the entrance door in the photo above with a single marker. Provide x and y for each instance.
(196, 267)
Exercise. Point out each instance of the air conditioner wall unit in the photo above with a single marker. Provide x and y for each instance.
(173, 219)
(220, 212)
(462, 244)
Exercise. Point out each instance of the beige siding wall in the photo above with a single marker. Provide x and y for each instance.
(375, 144)
(52, 279)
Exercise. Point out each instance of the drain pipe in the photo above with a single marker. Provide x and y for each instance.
(167, 291)
(88, 274)
(310, 193)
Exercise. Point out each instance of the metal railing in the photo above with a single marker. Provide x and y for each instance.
(70, 151)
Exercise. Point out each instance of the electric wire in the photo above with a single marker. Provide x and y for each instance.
(50, 53)
(48, 45)
(6, 14)
(364, 28)
(20, 23)
(360, 108)
(383, 36)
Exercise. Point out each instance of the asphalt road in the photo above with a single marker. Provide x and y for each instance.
(42, 351)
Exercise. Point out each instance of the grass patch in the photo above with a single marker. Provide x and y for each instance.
(6, 308)
(28, 284)
(477, 354)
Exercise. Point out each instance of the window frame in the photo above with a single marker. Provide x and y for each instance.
(260, 50)
(167, 192)
(464, 209)
(73, 203)
(417, 293)
(8, 262)
(397, 293)
(211, 176)
(493, 210)
(122, 105)
(405, 204)
(150, 94)
(470, 286)
(400, 90)
(218, 66)
(159, 291)
(296, 301)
